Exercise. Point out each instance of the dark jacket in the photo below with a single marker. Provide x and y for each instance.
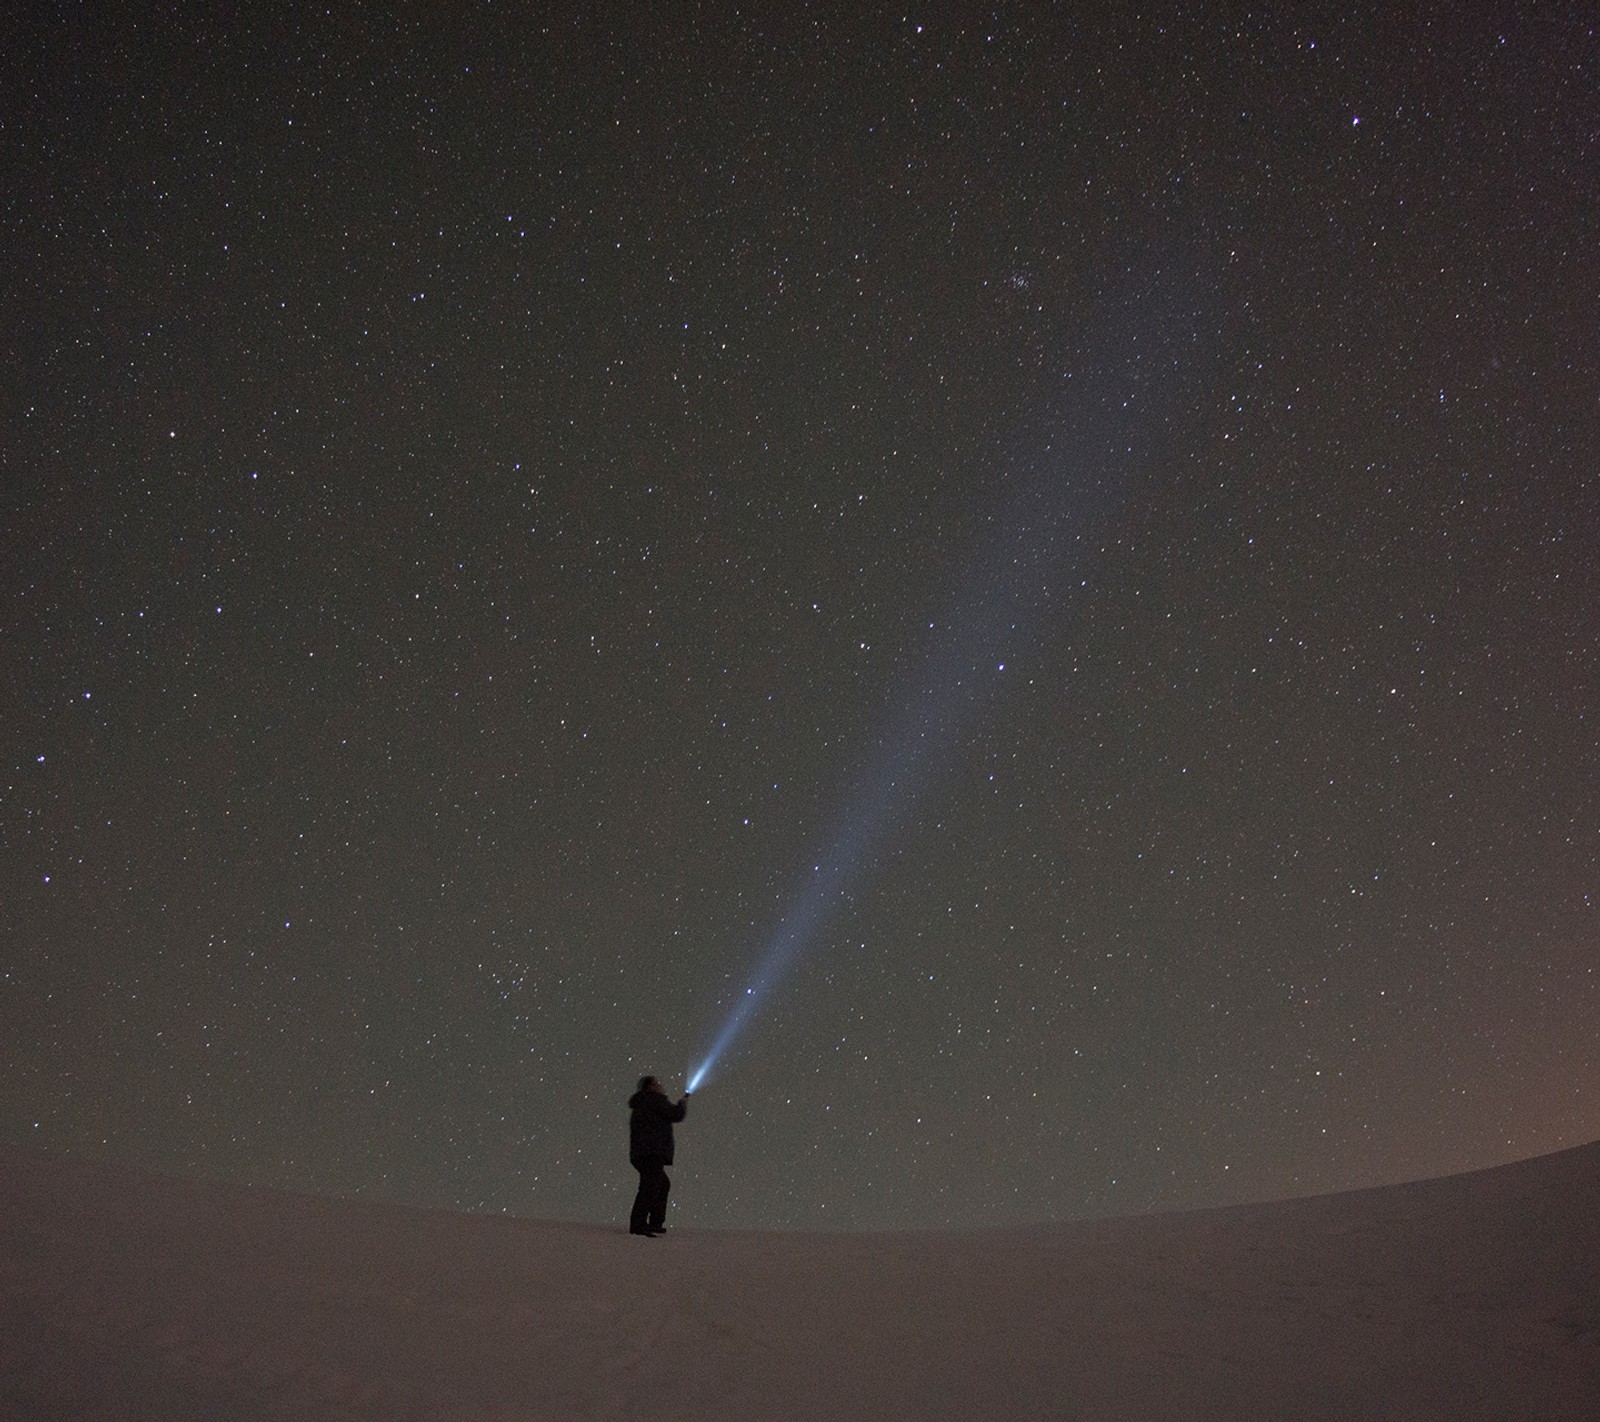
(650, 1127)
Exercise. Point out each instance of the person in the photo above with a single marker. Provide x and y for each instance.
(650, 1153)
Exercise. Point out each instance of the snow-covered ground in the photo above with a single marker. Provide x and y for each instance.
(131, 1296)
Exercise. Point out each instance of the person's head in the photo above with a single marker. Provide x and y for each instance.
(649, 1083)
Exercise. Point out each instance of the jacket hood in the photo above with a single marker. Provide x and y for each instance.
(635, 1099)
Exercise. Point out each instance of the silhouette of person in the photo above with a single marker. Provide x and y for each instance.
(650, 1153)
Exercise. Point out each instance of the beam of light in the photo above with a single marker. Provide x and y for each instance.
(975, 649)
(1034, 561)
(823, 889)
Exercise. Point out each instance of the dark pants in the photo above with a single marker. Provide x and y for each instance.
(650, 1204)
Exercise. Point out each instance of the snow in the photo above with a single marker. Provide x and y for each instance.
(131, 1296)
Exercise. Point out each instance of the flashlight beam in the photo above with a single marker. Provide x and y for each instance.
(1034, 561)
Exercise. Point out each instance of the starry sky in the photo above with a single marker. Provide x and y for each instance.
(1075, 526)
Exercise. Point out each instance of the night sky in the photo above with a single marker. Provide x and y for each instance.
(1087, 516)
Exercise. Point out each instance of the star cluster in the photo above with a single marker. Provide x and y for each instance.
(486, 490)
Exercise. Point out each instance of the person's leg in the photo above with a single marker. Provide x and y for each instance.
(658, 1204)
(639, 1218)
